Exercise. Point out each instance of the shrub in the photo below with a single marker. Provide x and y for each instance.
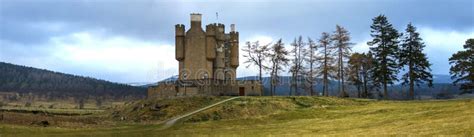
(28, 104)
(444, 95)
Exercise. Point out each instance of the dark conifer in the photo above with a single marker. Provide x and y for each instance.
(384, 47)
(463, 69)
(412, 56)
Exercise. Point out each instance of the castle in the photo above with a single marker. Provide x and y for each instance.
(208, 61)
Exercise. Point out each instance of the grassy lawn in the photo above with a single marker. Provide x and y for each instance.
(53, 110)
(257, 116)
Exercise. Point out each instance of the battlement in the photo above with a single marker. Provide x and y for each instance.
(211, 29)
(234, 36)
(179, 25)
(180, 29)
(220, 28)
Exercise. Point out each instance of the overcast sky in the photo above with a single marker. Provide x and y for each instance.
(133, 41)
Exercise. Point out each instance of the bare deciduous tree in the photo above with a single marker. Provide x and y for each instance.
(342, 43)
(297, 63)
(310, 58)
(326, 61)
(255, 54)
(278, 60)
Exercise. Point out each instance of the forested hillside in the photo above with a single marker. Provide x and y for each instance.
(56, 85)
(441, 85)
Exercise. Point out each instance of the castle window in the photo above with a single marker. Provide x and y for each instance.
(185, 75)
(205, 76)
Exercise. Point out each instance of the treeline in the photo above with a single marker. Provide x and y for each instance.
(55, 85)
(330, 58)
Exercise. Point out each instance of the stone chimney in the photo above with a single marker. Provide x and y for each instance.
(232, 27)
(196, 20)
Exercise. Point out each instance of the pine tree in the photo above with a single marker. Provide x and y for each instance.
(359, 72)
(463, 69)
(354, 71)
(342, 45)
(297, 63)
(278, 60)
(412, 56)
(326, 61)
(384, 46)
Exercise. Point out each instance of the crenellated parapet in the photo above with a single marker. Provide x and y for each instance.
(220, 33)
(211, 29)
(180, 29)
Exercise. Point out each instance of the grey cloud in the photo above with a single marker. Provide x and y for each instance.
(154, 20)
(24, 23)
(144, 20)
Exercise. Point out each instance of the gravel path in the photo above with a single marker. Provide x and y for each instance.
(172, 121)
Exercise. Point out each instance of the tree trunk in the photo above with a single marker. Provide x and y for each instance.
(385, 93)
(325, 88)
(384, 74)
(358, 91)
(296, 83)
(311, 77)
(342, 78)
(366, 93)
(292, 87)
(271, 84)
(326, 93)
(412, 83)
(341, 75)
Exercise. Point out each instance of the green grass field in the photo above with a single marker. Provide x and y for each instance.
(262, 116)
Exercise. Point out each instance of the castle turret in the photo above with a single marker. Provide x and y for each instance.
(234, 42)
(180, 51)
(211, 42)
(179, 55)
(220, 32)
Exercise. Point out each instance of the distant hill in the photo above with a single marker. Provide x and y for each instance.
(442, 79)
(441, 84)
(29, 80)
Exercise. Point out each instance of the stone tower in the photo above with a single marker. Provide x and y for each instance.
(210, 54)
